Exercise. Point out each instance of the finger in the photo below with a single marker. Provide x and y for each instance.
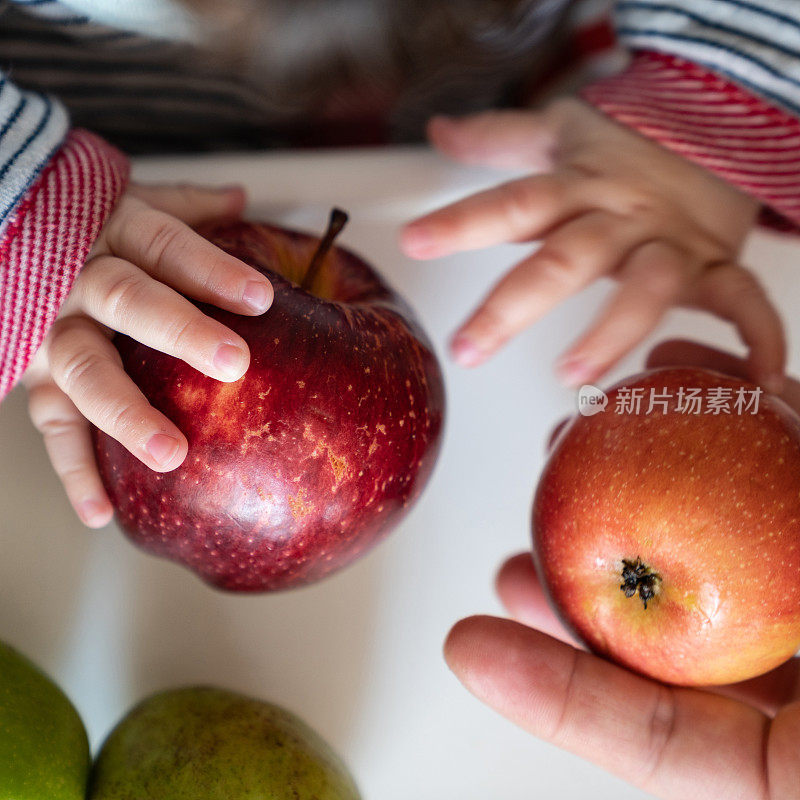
(653, 279)
(675, 743)
(497, 138)
(525, 600)
(193, 204)
(172, 253)
(87, 368)
(769, 692)
(518, 210)
(121, 296)
(571, 258)
(522, 595)
(735, 294)
(68, 443)
(680, 352)
(782, 761)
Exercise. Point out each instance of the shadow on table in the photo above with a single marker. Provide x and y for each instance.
(307, 649)
(44, 547)
(113, 624)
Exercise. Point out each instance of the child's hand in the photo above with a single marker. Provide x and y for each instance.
(604, 201)
(145, 255)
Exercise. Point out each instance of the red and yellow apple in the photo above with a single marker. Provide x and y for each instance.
(669, 541)
(316, 453)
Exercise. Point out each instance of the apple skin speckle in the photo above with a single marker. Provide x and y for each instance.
(291, 474)
(710, 503)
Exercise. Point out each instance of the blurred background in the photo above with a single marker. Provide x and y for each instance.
(359, 655)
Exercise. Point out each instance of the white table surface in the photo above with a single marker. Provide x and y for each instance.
(359, 655)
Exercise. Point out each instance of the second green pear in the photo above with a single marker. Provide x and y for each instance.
(210, 744)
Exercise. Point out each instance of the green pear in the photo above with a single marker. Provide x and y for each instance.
(44, 752)
(210, 744)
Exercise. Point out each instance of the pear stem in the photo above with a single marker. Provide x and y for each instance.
(337, 221)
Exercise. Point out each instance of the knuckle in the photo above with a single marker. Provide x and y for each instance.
(52, 427)
(557, 268)
(641, 206)
(638, 203)
(596, 237)
(48, 409)
(122, 294)
(165, 236)
(562, 725)
(628, 198)
(664, 279)
(218, 274)
(517, 199)
(73, 362)
(659, 732)
(75, 368)
(123, 418)
(181, 334)
(71, 472)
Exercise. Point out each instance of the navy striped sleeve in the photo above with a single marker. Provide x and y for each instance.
(32, 127)
(755, 43)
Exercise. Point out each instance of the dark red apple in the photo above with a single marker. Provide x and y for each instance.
(669, 541)
(316, 453)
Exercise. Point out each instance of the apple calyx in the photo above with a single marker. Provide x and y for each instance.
(638, 577)
(337, 221)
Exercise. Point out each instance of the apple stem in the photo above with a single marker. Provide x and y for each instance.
(336, 222)
(638, 577)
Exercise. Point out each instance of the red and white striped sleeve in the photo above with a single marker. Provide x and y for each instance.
(45, 240)
(717, 81)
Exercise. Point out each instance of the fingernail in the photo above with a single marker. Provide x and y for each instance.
(257, 295)
(230, 361)
(162, 448)
(418, 242)
(465, 352)
(573, 372)
(92, 512)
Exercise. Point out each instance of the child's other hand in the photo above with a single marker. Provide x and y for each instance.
(145, 255)
(604, 201)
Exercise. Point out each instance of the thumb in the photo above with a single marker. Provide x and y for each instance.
(192, 204)
(503, 139)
